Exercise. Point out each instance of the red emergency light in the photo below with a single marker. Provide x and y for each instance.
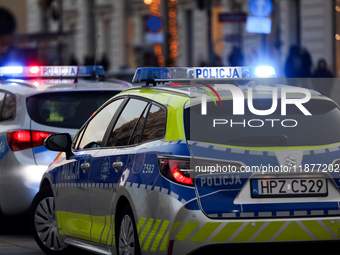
(34, 69)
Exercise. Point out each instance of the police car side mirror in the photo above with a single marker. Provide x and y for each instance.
(59, 142)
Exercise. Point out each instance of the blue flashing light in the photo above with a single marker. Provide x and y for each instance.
(49, 71)
(11, 70)
(160, 74)
(265, 72)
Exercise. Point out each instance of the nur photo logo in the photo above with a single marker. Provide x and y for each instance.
(240, 97)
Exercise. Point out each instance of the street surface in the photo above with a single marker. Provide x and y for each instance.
(19, 244)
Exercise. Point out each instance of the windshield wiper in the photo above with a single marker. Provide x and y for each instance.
(263, 140)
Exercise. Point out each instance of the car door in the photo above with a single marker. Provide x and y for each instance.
(73, 190)
(110, 168)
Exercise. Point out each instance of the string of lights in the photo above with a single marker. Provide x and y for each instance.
(173, 31)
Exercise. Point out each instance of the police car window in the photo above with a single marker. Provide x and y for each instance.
(2, 99)
(126, 123)
(8, 107)
(76, 138)
(66, 109)
(137, 134)
(96, 128)
(155, 124)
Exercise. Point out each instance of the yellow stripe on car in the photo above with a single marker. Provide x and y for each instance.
(154, 234)
(226, 232)
(76, 224)
(165, 242)
(269, 231)
(140, 223)
(263, 231)
(333, 225)
(98, 225)
(145, 231)
(160, 235)
(157, 234)
(151, 235)
(186, 230)
(317, 230)
(287, 233)
(104, 236)
(248, 232)
(176, 224)
(205, 232)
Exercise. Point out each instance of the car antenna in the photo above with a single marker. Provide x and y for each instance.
(76, 78)
(94, 75)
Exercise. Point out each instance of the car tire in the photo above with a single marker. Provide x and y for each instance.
(127, 239)
(44, 224)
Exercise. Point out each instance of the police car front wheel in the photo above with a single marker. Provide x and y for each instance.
(44, 224)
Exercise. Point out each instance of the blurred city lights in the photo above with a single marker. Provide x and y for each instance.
(148, 2)
(173, 43)
(154, 7)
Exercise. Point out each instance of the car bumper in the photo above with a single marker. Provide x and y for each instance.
(174, 223)
(19, 182)
(193, 230)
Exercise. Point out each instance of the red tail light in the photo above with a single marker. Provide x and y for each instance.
(176, 170)
(19, 140)
(24, 139)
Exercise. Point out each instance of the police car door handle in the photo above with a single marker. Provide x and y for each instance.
(117, 165)
(85, 166)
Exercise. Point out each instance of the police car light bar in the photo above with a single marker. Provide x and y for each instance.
(49, 71)
(162, 74)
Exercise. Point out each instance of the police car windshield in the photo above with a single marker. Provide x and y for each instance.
(293, 129)
(66, 109)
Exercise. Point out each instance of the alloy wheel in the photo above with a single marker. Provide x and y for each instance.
(126, 237)
(46, 225)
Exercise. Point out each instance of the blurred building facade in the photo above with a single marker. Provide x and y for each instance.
(114, 32)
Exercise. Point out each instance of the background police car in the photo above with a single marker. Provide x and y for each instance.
(35, 102)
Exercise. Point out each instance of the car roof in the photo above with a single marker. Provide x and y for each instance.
(34, 86)
(259, 91)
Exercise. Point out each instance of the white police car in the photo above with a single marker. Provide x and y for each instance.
(208, 160)
(35, 102)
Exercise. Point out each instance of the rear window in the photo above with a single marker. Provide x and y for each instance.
(7, 106)
(319, 129)
(66, 109)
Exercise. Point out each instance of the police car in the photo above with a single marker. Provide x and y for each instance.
(214, 157)
(35, 102)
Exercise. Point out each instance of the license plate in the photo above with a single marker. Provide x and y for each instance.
(267, 187)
